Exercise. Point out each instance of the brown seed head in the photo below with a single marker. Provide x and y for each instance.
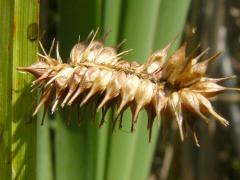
(176, 84)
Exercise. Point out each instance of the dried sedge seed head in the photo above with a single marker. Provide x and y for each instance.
(37, 69)
(93, 50)
(176, 84)
(76, 55)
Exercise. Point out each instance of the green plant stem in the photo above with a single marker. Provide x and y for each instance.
(6, 32)
(138, 28)
(44, 153)
(25, 43)
(130, 155)
(170, 25)
(75, 147)
(111, 18)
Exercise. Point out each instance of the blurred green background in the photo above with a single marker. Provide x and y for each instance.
(60, 149)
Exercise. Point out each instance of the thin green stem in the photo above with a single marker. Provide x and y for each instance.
(6, 32)
(25, 43)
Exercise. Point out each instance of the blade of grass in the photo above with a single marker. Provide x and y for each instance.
(44, 153)
(25, 43)
(111, 20)
(75, 150)
(76, 19)
(45, 144)
(170, 23)
(140, 152)
(171, 20)
(138, 28)
(6, 32)
(75, 146)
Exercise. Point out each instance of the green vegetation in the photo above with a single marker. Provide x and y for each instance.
(60, 151)
(18, 42)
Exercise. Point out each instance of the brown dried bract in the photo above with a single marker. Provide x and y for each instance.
(162, 84)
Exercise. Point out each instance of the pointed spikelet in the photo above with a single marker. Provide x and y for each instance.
(174, 84)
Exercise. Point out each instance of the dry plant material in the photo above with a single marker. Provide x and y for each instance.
(98, 74)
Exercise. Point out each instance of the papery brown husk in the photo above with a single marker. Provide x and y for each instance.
(160, 85)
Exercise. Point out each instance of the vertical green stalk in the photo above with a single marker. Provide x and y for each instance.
(44, 151)
(170, 23)
(6, 32)
(75, 146)
(25, 43)
(168, 26)
(138, 28)
(130, 155)
(111, 19)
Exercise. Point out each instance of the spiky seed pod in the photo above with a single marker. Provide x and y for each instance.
(174, 85)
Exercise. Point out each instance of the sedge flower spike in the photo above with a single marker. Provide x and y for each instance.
(172, 85)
